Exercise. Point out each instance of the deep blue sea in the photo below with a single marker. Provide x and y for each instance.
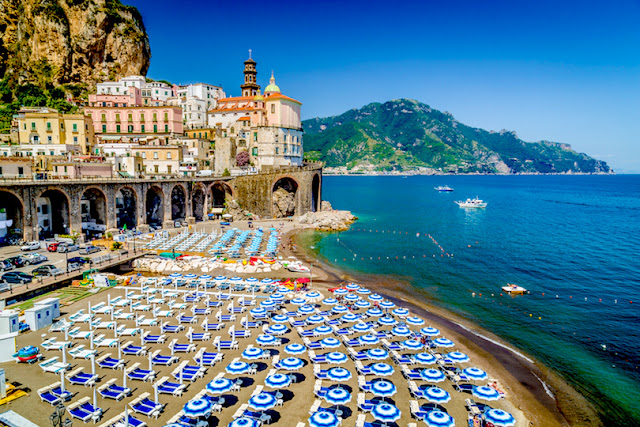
(575, 239)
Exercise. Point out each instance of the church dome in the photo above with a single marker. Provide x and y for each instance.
(258, 96)
(272, 87)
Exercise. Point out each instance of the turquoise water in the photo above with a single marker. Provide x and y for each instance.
(574, 237)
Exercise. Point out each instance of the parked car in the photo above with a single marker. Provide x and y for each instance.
(53, 247)
(46, 270)
(87, 250)
(73, 266)
(67, 247)
(79, 260)
(30, 246)
(16, 277)
(17, 261)
(6, 265)
(34, 258)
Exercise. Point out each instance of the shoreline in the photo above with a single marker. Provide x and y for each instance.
(544, 397)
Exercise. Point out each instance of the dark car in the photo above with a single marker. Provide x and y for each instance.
(46, 270)
(89, 250)
(78, 260)
(16, 277)
(17, 261)
(6, 265)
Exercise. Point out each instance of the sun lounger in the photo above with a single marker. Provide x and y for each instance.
(199, 336)
(122, 315)
(133, 350)
(303, 333)
(104, 325)
(463, 387)
(149, 338)
(297, 323)
(415, 390)
(320, 374)
(135, 373)
(416, 411)
(102, 341)
(208, 359)
(177, 305)
(402, 359)
(110, 390)
(212, 326)
(158, 359)
(357, 355)
(241, 334)
(181, 348)
(106, 361)
(364, 404)
(60, 325)
(389, 346)
(313, 345)
(79, 352)
(143, 405)
(78, 334)
(52, 344)
(188, 373)
(200, 311)
(410, 374)
(472, 407)
(364, 384)
(129, 332)
(225, 317)
(46, 396)
(214, 304)
(84, 410)
(164, 386)
(351, 343)
(53, 365)
(163, 313)
(247, 324)
(174, 329)
(79, 377)
(182, 318)
(118, 421)
(362, 370)
(143, 321)
(56, 390)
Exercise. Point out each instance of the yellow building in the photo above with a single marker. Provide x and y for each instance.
(201, 133)
(158, 158)
(45, 130)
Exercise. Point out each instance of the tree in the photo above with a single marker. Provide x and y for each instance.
(226, 172)
(242, 158)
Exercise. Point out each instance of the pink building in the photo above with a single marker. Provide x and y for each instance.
(115, 123)
(132, 98)
(82, 167)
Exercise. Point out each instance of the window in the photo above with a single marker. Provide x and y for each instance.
(130, 117)
(104, 117)
(65, 169)
(118, 128)
(168, 155)
(142, 117)
(155, 128)
(75, 139)
(144, 154)
(0, 170)
(254, 151)
(155, 117)
(155, 168)
(168, 168)
(277, 150)
(130, 128)
(285, 137)
(155, 154)
(166, 128)
(205, 135)
(117, 117)
(255, 137)
(33, 125)
(104, 128)
(49, 139)
(45, 209)
(20, 170)
(49, 126)
(75, 127)
(273, 108)
(166, 117)
(142, 128)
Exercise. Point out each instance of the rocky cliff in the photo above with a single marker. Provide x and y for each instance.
(67, 41)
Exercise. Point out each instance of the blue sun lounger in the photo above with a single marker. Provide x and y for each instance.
(313, 345)
(364, 404)
(174, 329)
(189, 373)
(109, 362)
(391, 346)
(187, 319)
(181, 348)
(146, 406)
(46, 396)
(166, 387)
(84, 410)
(411, 374)
(402, 359)
(79, 377)
(297, 323)
(134, 350)
(214, 304)
(135, 373)
(159, 359)
(212, 326)
(62, 394)
(154, 339)
(208, 359)
(201, 311)
(317, 358)
(110, 390)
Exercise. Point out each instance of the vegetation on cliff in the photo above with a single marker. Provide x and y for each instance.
(406, 135)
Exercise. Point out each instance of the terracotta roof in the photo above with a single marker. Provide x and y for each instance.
(280, 96)
(243, 119)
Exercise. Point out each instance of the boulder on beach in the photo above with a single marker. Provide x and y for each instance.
(327, 220)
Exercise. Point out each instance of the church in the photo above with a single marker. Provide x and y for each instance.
(265, 125)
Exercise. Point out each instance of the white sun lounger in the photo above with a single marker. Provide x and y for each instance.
(79, 352)
(121, 315)
(130, 332)
(55, 366)
(142, 321)
(101, 341)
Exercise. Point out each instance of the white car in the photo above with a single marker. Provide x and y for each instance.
(30, 246)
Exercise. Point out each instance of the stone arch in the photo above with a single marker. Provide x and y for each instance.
(11, 216)
(154, 204)
(126, 207)
(53, 213)
(284, 197)
(93, 211)
(220, 191)
(315, 193)
(198, 201)
(178, 202)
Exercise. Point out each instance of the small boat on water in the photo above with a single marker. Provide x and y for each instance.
(514, 289)
(472, 203)
(443, 188)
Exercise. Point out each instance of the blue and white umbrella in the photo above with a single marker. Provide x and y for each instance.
(400, 312)
(277, 381)
(352, 287)
(386, 412)
(376, 298)
(414, 321)
(295, 348)
(424, 358)
(220, 278)
(315, 318)
(457, 357)
(282, 289)
(324, 419)
(291, 363)
(349, 318)
(387, 321)
(500, 418)
(340, 292)
(368, 339)
(266, 281)
(338, 309)
(265, 339)
(175, 275)
(443, 342)
(361, 327)
(432, 375)
(220, 386)
(362, 304)
(387, 304)
(313, 295)
(267, 304)
(381, 369)
(436, 395)
(298, 301)
(263, 402)
(486, 393)
(351, 298)
(277, 329)
(280, 318)
(400, 331)
(383, 388)
(323, 330)
(339, 374)
(375, 312)
(330, 301)
(258, 311)
(236, 279)
(330, 342)
(337, 396)
(197, 408)
(205, 277)
(377, 354)
(253, 353)
(306, 309)
(190, 276)
(363, 291)
(336, 357)
(251, 280)
(276, 297)
(237, 368)
(242, 422)
(430, 332)
(475, 374)
(412, 345)
(437, 418)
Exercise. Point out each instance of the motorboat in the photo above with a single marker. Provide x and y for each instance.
(514, 289)
(298, 268)
(443, 188)
(472, 203)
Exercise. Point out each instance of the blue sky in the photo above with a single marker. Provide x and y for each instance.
(557, 70)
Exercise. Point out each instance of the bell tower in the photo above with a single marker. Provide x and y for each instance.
(250, 86)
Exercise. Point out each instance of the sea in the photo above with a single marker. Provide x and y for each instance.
(572, 241)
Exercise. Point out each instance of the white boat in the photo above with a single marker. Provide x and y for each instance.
(472, 203)
(443, 188)
(514, 289)
(298, 268)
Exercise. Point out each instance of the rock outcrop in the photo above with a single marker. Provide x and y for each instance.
(329, 220)
(284, 203)
(71, 41)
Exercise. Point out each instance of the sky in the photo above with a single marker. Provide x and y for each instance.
(563, 71)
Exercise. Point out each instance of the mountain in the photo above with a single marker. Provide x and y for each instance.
(405, 134)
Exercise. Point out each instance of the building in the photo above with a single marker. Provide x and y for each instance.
(201, 133)
(159, 157)
(196, 100)
(81, 167)
(126, 165)
(151, 93)
(45, 131)
(16, 167)
(267, 126)
(198, 155)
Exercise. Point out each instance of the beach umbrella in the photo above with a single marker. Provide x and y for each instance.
(340, 292)
(424, 358)
(443, 342)
(175, 275)
(190, 276)
(251, 353)
(362, 304)
(457, 357)
(475, 374)
(375, 312)
(291, 363)
(486, 393)
(381, 369)
(251, 280)
(276, 297)
(267, 304)
(280, 318)
(306, 309)
(330, 342)
(352, 298)
(498, 417)
(220, 278)
(400, 331)
(383, 388)
(330, 301)
(429, 331)
(240, 422)
(368, 340)
(339, 374)
(361, 327)
(262, 402)
(298, 301)
(237, 368)
(266, 281)
(277, 329)
(205, 277)
(363, 291)
(196, 408)
(436, 395)
(315, 318)
(437, 418)
(387, 321)
(323, 330)
(277, 381)
(432, 375)
(412, 345)
(236, 279)
(335, 357)
(313, 295)
(220, 386)
(386, 412)
(349, 318)
(265, 339)
(414, 321)
(400, 312)
(377, 354)
(339, 309)
(324, 419)
(295, 348)
(337, 396)
(352, 287)
(258, 311)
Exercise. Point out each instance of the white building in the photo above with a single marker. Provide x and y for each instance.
(156, 91)
(196, 100)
